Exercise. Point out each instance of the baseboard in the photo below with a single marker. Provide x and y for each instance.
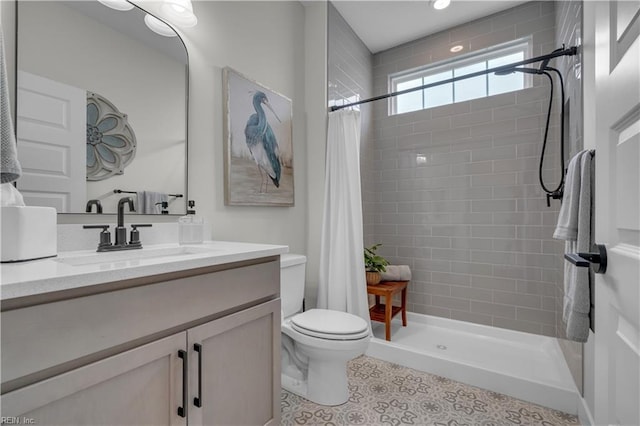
(584, 414)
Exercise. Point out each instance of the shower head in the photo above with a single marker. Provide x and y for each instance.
(523, 70)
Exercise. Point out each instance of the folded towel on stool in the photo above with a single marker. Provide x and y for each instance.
(396, 273)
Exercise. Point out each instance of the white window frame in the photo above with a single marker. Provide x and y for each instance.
(521, 45)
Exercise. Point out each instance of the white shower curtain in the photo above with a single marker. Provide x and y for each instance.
(342, 285)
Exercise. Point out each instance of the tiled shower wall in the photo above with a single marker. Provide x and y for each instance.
(350, 77)
(457, 194)
(569, 32)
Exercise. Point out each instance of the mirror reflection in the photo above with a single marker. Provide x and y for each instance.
(101, 109)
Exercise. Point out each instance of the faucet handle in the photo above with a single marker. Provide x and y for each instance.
(105, 235)
(135, 234)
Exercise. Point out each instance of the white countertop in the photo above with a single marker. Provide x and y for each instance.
(77, 269)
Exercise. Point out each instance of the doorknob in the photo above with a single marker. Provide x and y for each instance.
(597, 259)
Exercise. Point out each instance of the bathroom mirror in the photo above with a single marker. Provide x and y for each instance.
(101, 108)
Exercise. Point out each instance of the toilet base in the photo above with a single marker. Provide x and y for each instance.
(326, 383)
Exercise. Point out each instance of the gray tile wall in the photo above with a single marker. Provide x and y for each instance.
(569, 32)
(457, 194)
(350, 75)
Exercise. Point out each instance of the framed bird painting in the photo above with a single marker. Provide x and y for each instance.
(259, 143)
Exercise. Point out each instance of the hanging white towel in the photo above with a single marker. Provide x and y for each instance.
(148, 202)
(574, 226)
(342, 285)
(10, 169)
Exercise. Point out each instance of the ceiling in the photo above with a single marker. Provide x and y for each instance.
(385, 24)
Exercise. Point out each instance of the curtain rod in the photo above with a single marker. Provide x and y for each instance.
(573, 50)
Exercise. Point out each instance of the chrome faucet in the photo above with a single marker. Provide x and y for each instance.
(121, 231)
(96, 203)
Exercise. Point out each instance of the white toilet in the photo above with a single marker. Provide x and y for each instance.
(316, 344)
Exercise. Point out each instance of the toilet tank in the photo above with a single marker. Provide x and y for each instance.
(292, 278)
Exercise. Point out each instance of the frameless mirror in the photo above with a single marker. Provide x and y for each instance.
(101, 109)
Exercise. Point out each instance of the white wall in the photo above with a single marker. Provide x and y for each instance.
(265, 41)
(316, 118)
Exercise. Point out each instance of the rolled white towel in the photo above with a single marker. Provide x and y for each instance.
(396, 273)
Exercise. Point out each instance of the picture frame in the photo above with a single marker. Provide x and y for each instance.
(258, 137)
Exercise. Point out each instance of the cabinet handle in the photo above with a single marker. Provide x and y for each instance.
(197, 401)
(181, 410)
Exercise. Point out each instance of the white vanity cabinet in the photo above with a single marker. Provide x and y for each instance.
(136, 387)
(200, 347)
(232, 368)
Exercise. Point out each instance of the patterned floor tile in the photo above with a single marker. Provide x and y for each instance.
(382, 393)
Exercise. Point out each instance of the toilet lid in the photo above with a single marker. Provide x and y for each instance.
(328, 324)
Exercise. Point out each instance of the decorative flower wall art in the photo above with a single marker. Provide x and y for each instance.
(111, 142)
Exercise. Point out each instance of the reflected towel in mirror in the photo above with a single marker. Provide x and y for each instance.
(149, 202)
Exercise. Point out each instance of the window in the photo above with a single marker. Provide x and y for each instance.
(463, 90)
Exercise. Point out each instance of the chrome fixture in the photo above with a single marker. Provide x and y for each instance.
(544, 69)
(121, 231)
(92, 203)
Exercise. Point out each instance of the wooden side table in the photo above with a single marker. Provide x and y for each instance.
(384, 312)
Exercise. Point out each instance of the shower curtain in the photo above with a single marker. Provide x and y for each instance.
(342, 285)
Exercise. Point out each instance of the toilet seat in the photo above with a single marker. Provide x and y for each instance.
(330, 325)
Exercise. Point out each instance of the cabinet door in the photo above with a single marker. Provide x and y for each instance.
(235, 370)
(142, 386)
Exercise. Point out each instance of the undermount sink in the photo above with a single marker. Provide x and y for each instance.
(135, 255)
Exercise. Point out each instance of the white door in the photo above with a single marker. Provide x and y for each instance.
(143, 386)
(51, 133)
(617, 142)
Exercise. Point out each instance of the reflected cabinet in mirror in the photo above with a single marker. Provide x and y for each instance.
(101, 108)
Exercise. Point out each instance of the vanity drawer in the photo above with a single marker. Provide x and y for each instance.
(47, 339)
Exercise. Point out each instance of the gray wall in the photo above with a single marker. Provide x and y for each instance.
(569, 32)
(472, 222)
(350, 74)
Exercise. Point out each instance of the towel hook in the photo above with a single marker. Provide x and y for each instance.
(597, 260)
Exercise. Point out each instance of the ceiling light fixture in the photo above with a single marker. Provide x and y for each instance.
(440, 4)
(179, 12)
(456, 48)
(122, 5)
(158, 27)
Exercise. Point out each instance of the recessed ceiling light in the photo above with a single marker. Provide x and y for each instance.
(456, 48)
(123, 5)
(440, 4)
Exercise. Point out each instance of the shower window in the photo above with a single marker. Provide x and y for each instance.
(463, 90)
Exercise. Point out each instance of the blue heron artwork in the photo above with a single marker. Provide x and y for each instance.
(259, 146)
(262, 142)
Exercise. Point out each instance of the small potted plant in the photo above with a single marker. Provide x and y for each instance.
(374, 264)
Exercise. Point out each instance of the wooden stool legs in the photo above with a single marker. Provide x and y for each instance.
(384, 313)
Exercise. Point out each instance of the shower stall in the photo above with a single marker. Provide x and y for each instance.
(454, 192)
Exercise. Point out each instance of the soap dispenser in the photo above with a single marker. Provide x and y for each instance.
(190, 227)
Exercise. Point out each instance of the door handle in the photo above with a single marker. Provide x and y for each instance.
(182, 410)
(197, 401)
(597, 259)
